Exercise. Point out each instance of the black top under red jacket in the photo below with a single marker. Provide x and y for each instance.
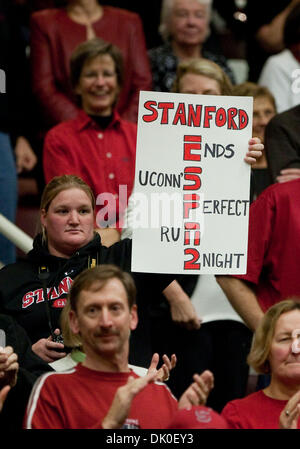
(21, 289)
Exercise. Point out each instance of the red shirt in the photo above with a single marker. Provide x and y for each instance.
(256, 411)
(274, 244)
(54, 36)
(80, 399)
(104, 159)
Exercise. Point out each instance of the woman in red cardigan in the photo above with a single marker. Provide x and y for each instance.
(54, 35)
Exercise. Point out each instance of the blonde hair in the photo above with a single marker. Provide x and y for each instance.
(166, 9)
(261, 345)
(57, 185)
(204, 67)
(249, 89)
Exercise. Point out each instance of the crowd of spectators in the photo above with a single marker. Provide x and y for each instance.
(81, 330)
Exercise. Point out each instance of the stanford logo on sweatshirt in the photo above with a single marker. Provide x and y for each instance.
(36, 296)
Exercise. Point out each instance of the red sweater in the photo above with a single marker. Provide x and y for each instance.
(80, 399)
(54, 36)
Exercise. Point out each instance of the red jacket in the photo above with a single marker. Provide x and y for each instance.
(54, 36)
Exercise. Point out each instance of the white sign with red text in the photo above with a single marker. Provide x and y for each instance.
(191, 184)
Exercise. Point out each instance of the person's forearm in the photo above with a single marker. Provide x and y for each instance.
(270, 36)
(242, 299)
